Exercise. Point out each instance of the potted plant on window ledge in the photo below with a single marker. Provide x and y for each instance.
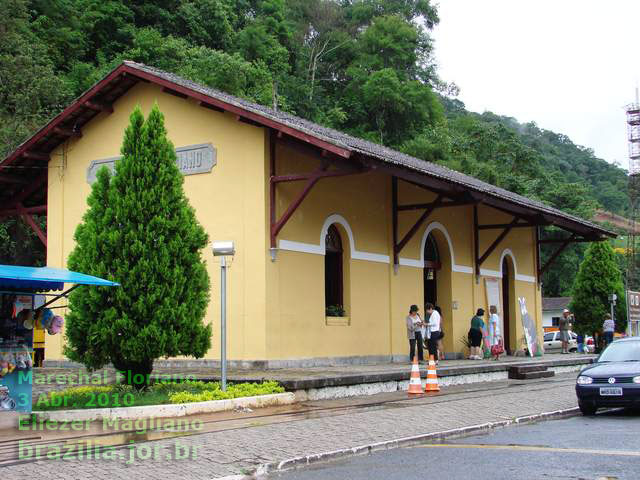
(335, 311)
(336, 316)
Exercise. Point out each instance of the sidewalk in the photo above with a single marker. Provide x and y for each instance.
(241, 449)
(320, 377)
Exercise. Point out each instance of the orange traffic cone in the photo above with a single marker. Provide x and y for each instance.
(432, 377)
(415, 384)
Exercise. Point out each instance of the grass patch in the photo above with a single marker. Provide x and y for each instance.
(110, 396)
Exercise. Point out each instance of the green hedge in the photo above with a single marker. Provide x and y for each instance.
(110, 396)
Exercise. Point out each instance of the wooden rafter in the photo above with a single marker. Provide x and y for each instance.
(496, 242)
(311, 179)
(41, 156)
(498, 226)
(13, 179)
(26, 216)
(565, 243)
(15, 211)
(412, 231)
(443, 204)
(67, 132)
(99, 107)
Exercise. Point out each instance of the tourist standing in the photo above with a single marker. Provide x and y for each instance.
(440, 344)
(608, 327)
(475, 335)
(433, 326)
(414, 325)
(494, 326)
(580, 340)
(565, 328)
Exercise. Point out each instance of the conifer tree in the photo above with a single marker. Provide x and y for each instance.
(598, 277)
(140, 231)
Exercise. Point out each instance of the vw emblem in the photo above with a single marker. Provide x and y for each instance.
(612, 380)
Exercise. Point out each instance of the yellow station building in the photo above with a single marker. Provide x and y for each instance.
(318, 218)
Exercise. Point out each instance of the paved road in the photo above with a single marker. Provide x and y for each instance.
(242, 449)
(601, 447)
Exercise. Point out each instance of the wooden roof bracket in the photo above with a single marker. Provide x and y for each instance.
(506, 228)
(428, 208)
(311, 178)
(564, 243)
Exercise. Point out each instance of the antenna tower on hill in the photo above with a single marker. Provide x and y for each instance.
(633, 129)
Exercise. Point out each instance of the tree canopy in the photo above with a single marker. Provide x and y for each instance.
(362, 66)
(598, 277)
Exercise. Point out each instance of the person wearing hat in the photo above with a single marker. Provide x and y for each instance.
(565, 327)
(414, 333)
(475, 335)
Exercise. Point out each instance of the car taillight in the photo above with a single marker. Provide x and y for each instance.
(590, 341)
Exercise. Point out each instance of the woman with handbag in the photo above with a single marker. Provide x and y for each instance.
(414, 334)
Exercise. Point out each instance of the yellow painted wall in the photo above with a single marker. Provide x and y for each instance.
(378, 293)
(277, 308)
(227, 201)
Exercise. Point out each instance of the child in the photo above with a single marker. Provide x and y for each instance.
(497, 348)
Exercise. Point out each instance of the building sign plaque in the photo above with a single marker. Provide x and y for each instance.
(192, 160)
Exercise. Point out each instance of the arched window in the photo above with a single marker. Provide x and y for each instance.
(333, 274)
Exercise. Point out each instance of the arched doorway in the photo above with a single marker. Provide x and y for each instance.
(508, 310)
(431, 266)
(437, 274)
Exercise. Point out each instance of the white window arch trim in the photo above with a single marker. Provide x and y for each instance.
(409, 262)
(498, 273)
(319, 249)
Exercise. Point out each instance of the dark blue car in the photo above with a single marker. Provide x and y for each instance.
(613, 380)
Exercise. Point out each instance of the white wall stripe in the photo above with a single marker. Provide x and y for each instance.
(405, 262)
(320, 248)
(370, 257)
(525, 278)
(485, 272)
(462, 269)
(300, 247)
(409, 262)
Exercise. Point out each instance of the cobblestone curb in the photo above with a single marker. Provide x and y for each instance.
(167, 411)
(300, 462)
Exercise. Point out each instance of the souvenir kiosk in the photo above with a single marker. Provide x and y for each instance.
(26, 298)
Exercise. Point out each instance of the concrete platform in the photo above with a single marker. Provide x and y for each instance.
(295, 379)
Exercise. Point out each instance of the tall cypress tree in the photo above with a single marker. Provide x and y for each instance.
(598, 277)
(141, 232)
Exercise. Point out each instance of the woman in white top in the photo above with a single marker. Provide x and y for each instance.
(494, 325)
(433, 326)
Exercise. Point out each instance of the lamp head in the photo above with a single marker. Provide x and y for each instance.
(223, 249)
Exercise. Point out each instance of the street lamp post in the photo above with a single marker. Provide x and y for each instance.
(223, 250)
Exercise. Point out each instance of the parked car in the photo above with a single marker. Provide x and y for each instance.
(553, 344)
(613, 380)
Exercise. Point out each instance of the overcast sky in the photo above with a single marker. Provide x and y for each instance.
(569, 65)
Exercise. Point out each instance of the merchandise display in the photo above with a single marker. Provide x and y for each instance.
(16, 349)
(24, 319)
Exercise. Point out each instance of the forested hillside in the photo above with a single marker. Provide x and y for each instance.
(362, 66)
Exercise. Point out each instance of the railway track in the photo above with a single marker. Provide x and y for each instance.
(88, 442)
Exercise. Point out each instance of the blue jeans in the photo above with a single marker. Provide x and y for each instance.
(608, 338)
